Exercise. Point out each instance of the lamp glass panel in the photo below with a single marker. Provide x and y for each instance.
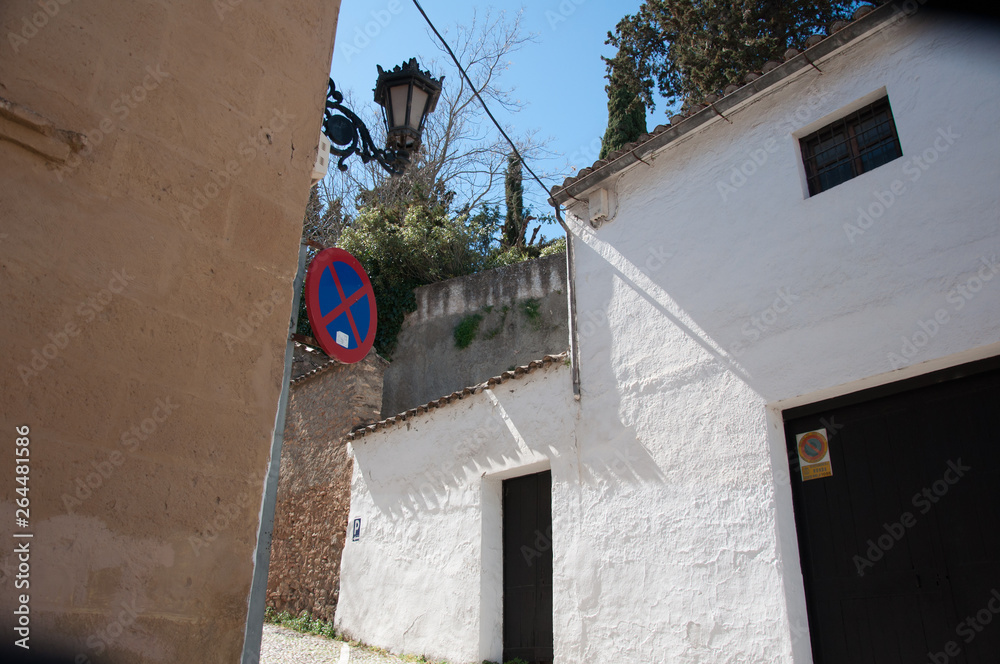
(398, 95)
(418, 106)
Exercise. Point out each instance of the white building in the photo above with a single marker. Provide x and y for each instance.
(726, 306)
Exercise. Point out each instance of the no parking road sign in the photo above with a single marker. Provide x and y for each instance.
(814, 455)
(341, 305)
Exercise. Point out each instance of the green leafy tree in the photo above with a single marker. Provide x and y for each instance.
(422, 241)
(692, 48)
(411, 244)
(626, 112)
(442, 218)
(514, 244)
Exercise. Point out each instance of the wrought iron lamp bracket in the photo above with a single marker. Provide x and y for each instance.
(349, 135)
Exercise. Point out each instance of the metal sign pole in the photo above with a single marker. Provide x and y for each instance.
(262, 554)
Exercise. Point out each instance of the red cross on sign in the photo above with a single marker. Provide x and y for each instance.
(341, 305)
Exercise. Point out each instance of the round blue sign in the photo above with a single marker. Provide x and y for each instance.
(340, 302)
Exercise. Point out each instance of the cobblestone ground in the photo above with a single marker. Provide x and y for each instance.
(280, 645)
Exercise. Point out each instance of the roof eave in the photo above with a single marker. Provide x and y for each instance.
(874, 21)
(361, 431)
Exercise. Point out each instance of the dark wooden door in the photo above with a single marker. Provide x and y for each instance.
(900, 548)
(527, 568)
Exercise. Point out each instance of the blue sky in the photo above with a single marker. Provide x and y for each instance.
(560, 76)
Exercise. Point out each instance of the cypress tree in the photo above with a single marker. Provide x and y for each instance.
(692, 48)
(626, 112)
(513, 226)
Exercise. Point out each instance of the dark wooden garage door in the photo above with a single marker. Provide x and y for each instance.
(900, 548)
(527, 568)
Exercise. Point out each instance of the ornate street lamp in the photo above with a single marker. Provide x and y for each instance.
(406, 95)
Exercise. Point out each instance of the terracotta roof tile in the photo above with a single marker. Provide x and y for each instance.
(813, 40)
(323, 368)
(362, 430)
(329, 364)
(310, 349)
(315, 372)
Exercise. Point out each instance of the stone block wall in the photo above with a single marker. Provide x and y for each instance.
(314, 488)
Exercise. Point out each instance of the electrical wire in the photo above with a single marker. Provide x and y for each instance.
(481, 101)
(574, 342)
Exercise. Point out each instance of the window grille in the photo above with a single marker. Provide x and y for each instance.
(853, 145)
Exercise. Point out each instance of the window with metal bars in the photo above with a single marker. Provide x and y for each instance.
(853, 145)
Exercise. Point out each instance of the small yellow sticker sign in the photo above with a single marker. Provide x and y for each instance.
(814, 455)
(814, 471)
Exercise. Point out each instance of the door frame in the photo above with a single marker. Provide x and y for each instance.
(958, 365)
(491, 552)
(534, 491)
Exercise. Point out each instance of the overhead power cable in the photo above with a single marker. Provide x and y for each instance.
(574, 343)
(481, 101)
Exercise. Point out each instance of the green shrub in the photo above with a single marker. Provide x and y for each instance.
(405, 246)
(532, 311)
(466, 330)
(302, 623)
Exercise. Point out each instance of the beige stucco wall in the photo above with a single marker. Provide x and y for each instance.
(145, 299)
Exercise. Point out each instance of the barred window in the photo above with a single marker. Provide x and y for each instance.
(853, 145)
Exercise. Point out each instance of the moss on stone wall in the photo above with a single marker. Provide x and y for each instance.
(467, 329)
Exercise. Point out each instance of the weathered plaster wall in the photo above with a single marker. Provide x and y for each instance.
(427, 363)
(147, 287)
(314, 488)
(709, 311)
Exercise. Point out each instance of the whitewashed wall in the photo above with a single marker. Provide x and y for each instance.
(704, 310)
(711, 301)
(425, 576)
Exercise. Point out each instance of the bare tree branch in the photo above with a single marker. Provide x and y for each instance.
(462, 153)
